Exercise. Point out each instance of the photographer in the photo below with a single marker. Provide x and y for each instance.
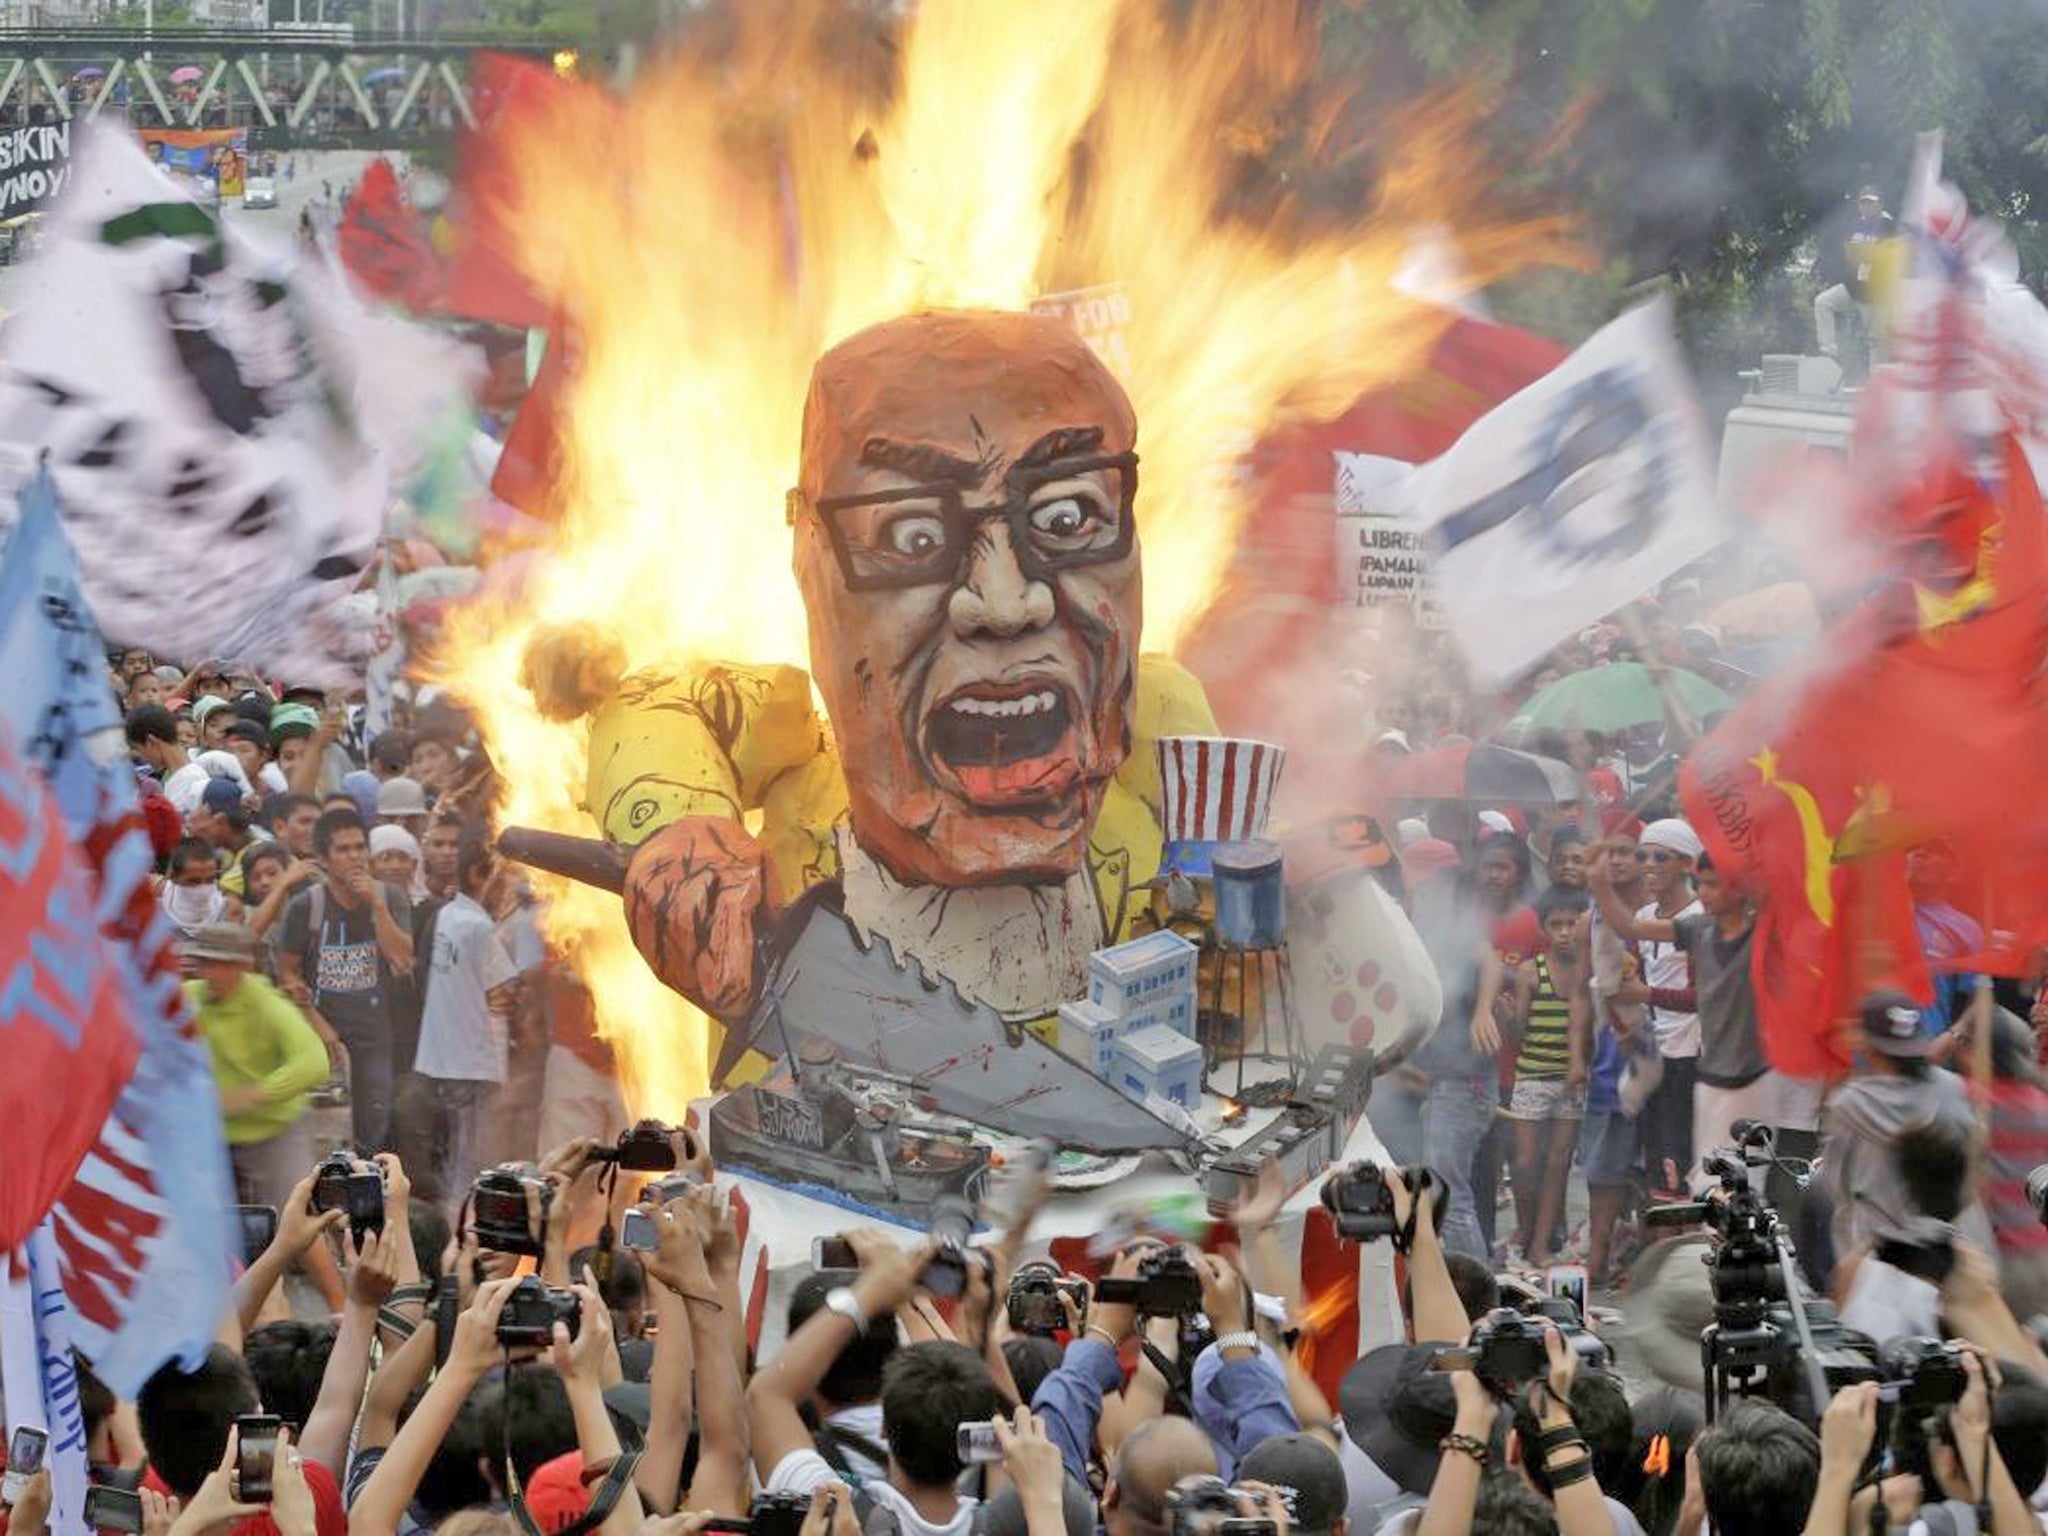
(1755, 1468)
(475, 1350)
(928, 1392)
(1070, 1400)
(1895, 1091)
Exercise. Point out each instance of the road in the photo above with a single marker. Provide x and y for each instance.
(319, 182)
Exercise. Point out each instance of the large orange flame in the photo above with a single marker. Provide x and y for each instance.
(800, 171)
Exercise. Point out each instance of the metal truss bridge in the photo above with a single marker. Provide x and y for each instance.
(293, 87)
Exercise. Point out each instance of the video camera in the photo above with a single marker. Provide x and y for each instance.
(1361, 1203)
(1923, 1379)
(500, 1214)
(531, 1312)
(1506, 1352)
(343, 1183)
(1034, 1302)
(643, 1147)
(1763, 1341)
(1166, 1285)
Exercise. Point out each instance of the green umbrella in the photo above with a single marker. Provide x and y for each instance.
(1616, 697)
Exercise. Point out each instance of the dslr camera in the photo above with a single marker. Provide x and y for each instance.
(342, 1183)
(498, 1209)
(1166, 1285)
(1035, 1292)
(643, 1147)
(778, 1514)
(531, 1312)
(1506, 1352)
(1921, 1375)
(1362, 1205)
(1201, 1505)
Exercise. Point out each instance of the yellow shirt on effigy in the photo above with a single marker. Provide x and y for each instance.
(747, 743)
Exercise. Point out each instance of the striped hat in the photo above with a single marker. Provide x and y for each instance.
(1214, 789)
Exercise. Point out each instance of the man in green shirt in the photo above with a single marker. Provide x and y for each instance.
(265, 1056)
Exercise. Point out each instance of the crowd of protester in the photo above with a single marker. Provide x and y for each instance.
(353, 939)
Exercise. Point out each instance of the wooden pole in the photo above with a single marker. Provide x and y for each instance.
(1631, 621)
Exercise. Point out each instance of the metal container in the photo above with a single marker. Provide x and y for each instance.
(1251, 902)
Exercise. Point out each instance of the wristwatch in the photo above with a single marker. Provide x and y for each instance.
(1246, 1340)
(841, 1299)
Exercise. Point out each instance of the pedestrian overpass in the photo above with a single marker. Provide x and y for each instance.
(292, 87)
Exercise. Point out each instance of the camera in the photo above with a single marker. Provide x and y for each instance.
(638, 1232)
(1035, 1292)
(2037, 1192)
(976, 1443)
(531, 1312)
(1506, 1352)
(1765, 1339)
(1166, 1285)
(778, 1514)
(1591, 1349)
(1361, 1203)
(1928, 1254)
(951, 1227)
(499, 1213)
(341, 1183)
(674, 1187)
(643, 1147)
(1921, 1374)
(1201, 1505)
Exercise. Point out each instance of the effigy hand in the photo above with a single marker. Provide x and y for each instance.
(693, 891)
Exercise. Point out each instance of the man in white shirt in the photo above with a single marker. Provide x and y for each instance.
(463, 1044)
(1670, 849)
(928, 1391)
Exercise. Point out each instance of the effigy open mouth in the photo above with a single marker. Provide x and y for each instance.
(1006, 745)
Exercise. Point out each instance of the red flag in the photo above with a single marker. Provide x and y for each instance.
(385, 244)
(67, 1031)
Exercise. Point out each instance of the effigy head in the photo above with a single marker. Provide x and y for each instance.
(966, 545)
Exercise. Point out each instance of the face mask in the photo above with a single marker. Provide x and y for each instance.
(190, 905)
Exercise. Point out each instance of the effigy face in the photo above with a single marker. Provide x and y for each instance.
(968, 555)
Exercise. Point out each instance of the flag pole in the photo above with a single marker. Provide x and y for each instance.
(1631, 621)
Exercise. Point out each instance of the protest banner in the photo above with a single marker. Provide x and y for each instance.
(208, 406)
(38, 1378)
(142, 1232)
(1570, 499)
(35, 163)
(1380, 565)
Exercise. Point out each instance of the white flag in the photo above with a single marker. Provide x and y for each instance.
(1570, 499)
(223, 425)
(37, 1375)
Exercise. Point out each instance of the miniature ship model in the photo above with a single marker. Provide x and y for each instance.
(865, 1139)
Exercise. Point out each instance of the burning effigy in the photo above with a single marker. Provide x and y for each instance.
(885, 851)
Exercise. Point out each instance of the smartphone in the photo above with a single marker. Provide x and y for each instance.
(833, 1253)
(255, 1456)
(258, 1227)
(113, 1509)
(24, 1461)
(978, 1443)
(637, 1231)
(1568, 1281)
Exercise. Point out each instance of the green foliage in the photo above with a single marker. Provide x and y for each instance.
(1715, 138)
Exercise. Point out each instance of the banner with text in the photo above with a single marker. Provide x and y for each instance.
(1379, 551)
(34, 165)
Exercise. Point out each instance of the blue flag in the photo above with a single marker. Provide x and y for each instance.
(143, 1233)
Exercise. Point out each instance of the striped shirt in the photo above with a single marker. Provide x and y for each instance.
(1546, 1035)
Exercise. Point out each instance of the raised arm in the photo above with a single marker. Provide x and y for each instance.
(371, 1276)
(775, 1397)
(299, 1227)
(1615, 914)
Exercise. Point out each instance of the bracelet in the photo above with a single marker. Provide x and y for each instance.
(1571, 1472)
(1096, 1330)
(1559, 1438)
(1469, 1445)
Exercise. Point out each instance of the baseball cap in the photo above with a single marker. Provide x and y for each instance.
(1308, 1475)
(1396, 1409)
(221, 795)
(221, 941)
(1891, 1025)
(401, 797)
(293, 720)
(555, 1495)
